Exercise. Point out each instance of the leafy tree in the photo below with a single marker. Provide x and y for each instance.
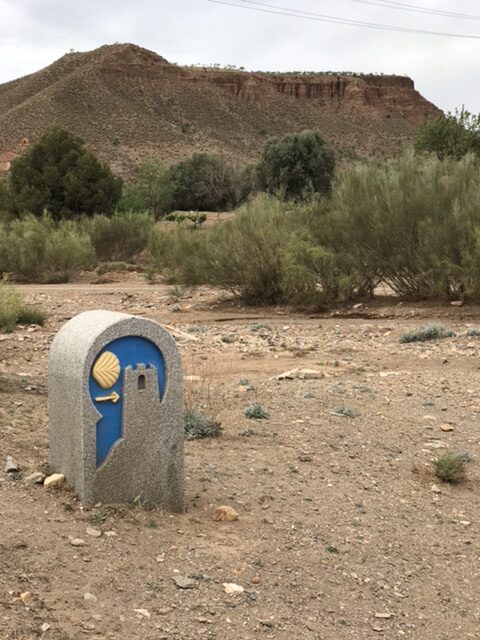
(151, 190)
(208, 183)
(453, 135)
(296, 164)
(59, 175)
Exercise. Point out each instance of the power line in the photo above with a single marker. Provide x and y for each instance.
(262, 7)
(403, 6)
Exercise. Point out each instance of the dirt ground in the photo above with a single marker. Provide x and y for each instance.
(343, 530)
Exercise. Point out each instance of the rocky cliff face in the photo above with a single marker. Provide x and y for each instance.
(127, 103)
(381, 93)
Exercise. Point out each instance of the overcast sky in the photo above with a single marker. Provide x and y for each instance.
(34, 33)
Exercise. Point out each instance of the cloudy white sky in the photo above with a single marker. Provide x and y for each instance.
(34, 33)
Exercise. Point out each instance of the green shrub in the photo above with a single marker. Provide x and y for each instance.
(473, 333)
(256, 412)
(198, 425)
(430, 332)
(41, 250)
(151, 189)
(121, 237)
(449, 467)
(243, 255)
(57, 174)
(296, 165)
(411, 223)
(207, 182)
(453, 135)
(31, 315)
(13, 310)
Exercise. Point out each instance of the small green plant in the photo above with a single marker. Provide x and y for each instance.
(256, 412)
(244, 382)
(13, 310)
(31, 315)
(261, 326)
(473, 333)
(450, 467)
(197, 425)
(430, 332)
(344, 411)
(112, 267)
(331, 549)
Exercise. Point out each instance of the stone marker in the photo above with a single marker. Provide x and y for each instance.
(115, 404)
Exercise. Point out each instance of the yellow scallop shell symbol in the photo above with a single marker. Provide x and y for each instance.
(106, 370)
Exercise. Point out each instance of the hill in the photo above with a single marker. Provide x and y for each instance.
(127, 102)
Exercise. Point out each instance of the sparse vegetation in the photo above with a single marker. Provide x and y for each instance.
(13, 310)
(473, 333)
(42, 250)
(449, 467)
(430, 332)
(198, 425)
(344, 412)
(121, 237)
(256, 412)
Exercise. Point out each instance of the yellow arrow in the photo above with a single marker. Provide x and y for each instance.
(114, 397)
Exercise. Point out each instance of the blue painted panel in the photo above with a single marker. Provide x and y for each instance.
(131, 351)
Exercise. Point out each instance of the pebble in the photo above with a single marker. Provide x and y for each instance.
(183, 582)
(143, 612)
(89, 597)
(93, 533)
(232, 588)
(436, 488)
(77, 542)
(36, 478)
(447, 427)
(11, 466)
(225, 514)
(55, 480)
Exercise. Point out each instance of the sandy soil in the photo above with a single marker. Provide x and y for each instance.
(340, 534)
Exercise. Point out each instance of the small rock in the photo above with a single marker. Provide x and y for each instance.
(53, 481)
(11, 466)
(225, 514)
(255, 580)
(174, 308)
(36, 478)
(301, 374)
(457, 303)
(45, 627)
(383, 616)
(183, 582)
(89, 597)
(110, 534)
(93, 533)
(165, 611)
(358, 306)
(447, 427)
(232, 588)
(435, 445)
(436, 488)
(266, 623)
(143, 612)
(76, 542)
